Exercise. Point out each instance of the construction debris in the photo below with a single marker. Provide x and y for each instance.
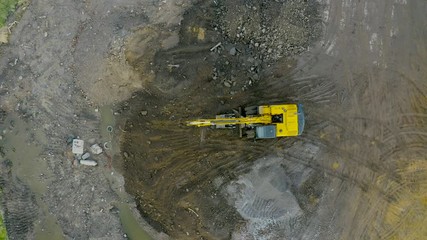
(216, 46)
(88, 162)
(85, 156)
(96, 149)
(78, 146)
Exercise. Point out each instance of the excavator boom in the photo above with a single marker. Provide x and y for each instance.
(265, 119)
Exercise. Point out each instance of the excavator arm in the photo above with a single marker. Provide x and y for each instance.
(263, 119)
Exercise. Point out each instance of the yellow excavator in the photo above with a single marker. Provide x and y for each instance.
(260, 122)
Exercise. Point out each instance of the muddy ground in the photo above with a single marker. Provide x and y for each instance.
(144, 67)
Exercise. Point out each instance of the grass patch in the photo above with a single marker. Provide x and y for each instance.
(3, 233)
(6, 7)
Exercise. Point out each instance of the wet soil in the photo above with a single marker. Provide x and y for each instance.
(49, 94)
(207, 184)
(169, 167)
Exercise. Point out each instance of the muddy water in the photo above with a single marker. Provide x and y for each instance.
(130, 224)
(107, 128)
(48, 228)
(23, 146)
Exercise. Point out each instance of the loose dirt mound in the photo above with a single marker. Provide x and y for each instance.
(101, 44)
(274, 28)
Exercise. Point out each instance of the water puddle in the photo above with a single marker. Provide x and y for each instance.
(131, 226)
(48, 229)
(22, 145)
(108, 130)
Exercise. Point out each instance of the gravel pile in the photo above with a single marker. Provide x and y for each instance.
(272, 29)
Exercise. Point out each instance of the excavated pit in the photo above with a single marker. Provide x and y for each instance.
(345, 177)
(171, 168)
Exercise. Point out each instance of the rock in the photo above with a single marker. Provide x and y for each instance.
(85, 156)
(144, 113)
(233, 51)
(96, 149)
(88, 162)
(255, 77)
(70, 139)
(227, 84)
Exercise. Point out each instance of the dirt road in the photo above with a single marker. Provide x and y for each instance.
(144, 67)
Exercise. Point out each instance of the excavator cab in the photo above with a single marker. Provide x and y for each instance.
(289, 123)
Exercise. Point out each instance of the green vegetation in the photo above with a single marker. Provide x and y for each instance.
(3, 233)
(6, 7)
